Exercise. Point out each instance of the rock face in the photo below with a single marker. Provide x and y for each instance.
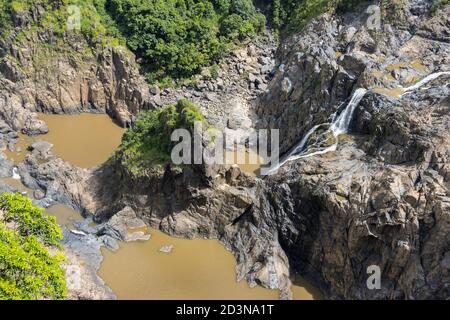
(6, 167)
(187, 203)
(232, 85)
(83, 257)
(381, 199)
(125, 226)
(41, 72)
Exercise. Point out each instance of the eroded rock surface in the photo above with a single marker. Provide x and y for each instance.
(381, 198)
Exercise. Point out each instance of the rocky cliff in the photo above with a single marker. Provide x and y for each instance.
(382, 197)
(379, 198)
(42, 71)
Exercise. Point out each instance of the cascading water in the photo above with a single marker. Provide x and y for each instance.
(16, 175)
(296, 150)
(341, 123)
(299, 148)
(339, 126)
(425, 80)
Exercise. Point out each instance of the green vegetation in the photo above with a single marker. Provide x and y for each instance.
(176, 38)
(438, 4)
(148, 143)
(54, 15)
(290, 16)
(173, 39)
(28, 270)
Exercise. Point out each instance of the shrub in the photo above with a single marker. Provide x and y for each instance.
(290, 16)
(27, 268)
(147, 144)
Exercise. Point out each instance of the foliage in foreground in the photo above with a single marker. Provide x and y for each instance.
(147, 144)
(28, 270)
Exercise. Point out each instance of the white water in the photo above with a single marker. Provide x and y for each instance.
(16, 175)
(425, 80)
(339, 126)
(301, 145)
(316, 153)
(297, 149)
(341, 123)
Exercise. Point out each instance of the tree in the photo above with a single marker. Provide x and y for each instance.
(28, 269)
(176, 38)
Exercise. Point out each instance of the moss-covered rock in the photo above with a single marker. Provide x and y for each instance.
(147, 145)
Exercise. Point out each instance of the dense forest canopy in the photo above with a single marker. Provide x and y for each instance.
(172, 39)
(175, 38)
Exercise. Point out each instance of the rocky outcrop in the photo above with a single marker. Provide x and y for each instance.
(42, 72)
(83, 259)
(380, 199)
(384, 205)
(226, 93)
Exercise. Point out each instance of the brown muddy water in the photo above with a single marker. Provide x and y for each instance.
(85, 140)
(18, 184)
(195, 269)
(20, 148)
(64, 215)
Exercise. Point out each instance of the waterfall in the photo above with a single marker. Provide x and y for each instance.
(326, 150)
(425, 80)
(16, 175)
(341, 124)
(301, 145)
(296, 150)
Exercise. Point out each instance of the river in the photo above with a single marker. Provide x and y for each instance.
(195, 269)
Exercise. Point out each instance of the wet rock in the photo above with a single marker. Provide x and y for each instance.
(166, 249)
(6, 166)
(83, 259)
(122, 225)
(110, 243)
(38, 194)
(41, 147)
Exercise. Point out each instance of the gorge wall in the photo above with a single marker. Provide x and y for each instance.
(382, 198)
